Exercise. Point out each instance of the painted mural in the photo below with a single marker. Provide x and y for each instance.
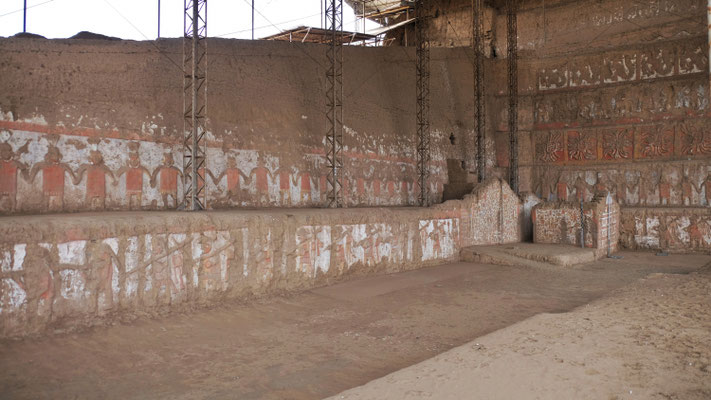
(83, 267)
(42, 173)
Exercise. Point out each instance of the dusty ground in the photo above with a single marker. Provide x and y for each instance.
(322, 342)
(649, 340)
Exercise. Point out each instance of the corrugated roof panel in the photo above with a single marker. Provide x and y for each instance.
(375, 5)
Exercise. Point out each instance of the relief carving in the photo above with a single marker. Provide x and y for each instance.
(656, 141)
(554, 77)
(645, 102)
(587, 74)
(168, 175)
(135, 172)
(10, 168)
(695, 139)
(654, 62)
(96, 173)
(53, 175)
(693, 59)
(617, 143)
(620, 69)
(582, 145)
(657, 63)
(549, 146)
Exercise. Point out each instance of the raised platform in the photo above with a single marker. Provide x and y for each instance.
(531, 254)
(64, 271)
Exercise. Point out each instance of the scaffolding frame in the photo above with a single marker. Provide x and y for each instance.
(512, 46)
(480, 121)
(423, 101)
(334, 102)
(194, 104)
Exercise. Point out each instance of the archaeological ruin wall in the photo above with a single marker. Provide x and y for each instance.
(83, 269)
(595, 224)
(615, 97)
(97, 125)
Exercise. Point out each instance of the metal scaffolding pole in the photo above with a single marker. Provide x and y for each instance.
(423, 101)
(194, 104)
(478, 34)
(512, 45)
(334, 102)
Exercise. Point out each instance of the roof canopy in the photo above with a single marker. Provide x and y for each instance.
(306, 34)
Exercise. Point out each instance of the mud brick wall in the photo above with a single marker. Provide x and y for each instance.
(608, 216)
(97, 125)
(493, 213)
(614, 96)
(560, 223)
(672, 229)
(84, 269)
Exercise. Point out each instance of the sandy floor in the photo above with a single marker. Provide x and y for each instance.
(319, 343)
(649, 340)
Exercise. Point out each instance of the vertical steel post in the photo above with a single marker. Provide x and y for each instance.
(334, 102)
(158, 19)
(512, 45)
(609, 219)
(364, 16)
(423, 101)
(24, 17)
(252, 19)
(582, 225)
(480, 122)
(194, 104)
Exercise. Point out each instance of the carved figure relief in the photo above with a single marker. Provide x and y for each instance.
(656, 141)
(168, 175)
(134, 173)
(658, 62)
(622, 69)
(305, 187)
(587, 74)
(617, 143)
(581, 145)
(549, 146)
(654, 61)
(692, 59)
(234, 178)
(53, 174)
(260, 175)
(610, 103)
(9, 170)
(687, 190)
(695, 139)
(95, 180)
(601, 187)
(582, 189)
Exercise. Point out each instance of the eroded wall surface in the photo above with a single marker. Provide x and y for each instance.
(84, 269)
(670, 229)
(614, 97)
(97, 125)
(596, 224)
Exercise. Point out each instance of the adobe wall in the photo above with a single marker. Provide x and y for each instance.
(561, 223)
(614, 97)
(97, 125)
(668, 229)
(68, 271)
